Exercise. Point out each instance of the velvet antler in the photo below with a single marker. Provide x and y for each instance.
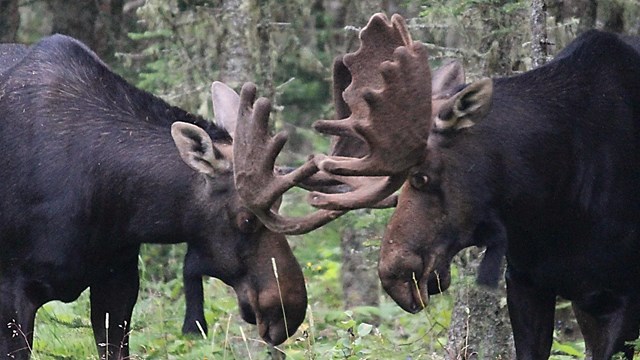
(387, 106)
(254, 155)
(390, 107)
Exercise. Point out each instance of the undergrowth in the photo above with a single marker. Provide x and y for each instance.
(63, 331)
(329, 331)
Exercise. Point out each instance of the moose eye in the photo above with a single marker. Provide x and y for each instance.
(419, 181)
(246, 222)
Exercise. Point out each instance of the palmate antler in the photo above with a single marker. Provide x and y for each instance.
(388, 104)
(254, 155)
(390, 108)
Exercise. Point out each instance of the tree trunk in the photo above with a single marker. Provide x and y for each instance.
(75, 18)
(587, 12)
(98, 24)
(499, 48)
(360, 284)
(584, 10)
(480, 327)
(614, 16)
(359, 278)
(538, 33)
(236, 67)
(109, 27)
(264, 59)
(9, 20)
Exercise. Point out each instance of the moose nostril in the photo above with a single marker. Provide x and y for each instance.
(247, 313)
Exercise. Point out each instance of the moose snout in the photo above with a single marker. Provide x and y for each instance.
(276, 314)
(409, 293)
(401, 277)
(410, 279)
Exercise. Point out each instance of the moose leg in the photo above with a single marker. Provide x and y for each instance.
(531, 311)
(605, 333)
(112, 301)
(194, 296)
(17, 316)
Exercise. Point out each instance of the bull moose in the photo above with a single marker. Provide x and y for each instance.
(543, 166)
(91, 168)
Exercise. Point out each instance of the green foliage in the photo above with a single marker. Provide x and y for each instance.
(179, 53)
(329, 332)
(38, 18)
(568, 350)
(488, 34)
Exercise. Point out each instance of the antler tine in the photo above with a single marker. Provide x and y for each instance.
(365, 192)
(386, 109)
(401, 27)
(389, 97)
(254, 154)
(345, 144)
(341, 80)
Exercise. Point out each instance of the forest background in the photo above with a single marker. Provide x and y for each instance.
(176, 48)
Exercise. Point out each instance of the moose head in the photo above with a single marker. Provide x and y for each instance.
(245, 254)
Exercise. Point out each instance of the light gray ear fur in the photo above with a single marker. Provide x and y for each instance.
(446, 78)
(225, 106)
(467, 107)
(197, 149)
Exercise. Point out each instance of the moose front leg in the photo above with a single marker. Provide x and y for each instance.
(112, 301)
(531, 311)
(17, 316)
(194, 295)
(608, 324)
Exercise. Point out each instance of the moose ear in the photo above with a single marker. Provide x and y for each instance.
(465, 108)
(225, 106)
(197, 149)
(447, 78)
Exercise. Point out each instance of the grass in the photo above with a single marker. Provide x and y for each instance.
(63, 331)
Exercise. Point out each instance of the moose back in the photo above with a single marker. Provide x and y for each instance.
(92, 167)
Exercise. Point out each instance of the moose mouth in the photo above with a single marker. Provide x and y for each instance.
(412, 295)
(269, 319)
(272, 330)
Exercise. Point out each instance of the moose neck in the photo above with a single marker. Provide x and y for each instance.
(111, 143)
(564, 139)
(152, 193)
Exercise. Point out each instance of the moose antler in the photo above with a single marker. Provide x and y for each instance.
(254, 155)
(323, 183)
(390, 102)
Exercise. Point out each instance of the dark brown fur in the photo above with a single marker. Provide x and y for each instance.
(546, 166)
